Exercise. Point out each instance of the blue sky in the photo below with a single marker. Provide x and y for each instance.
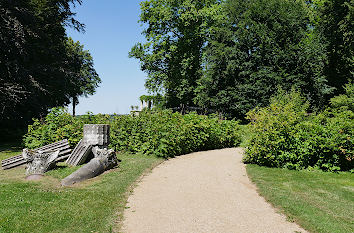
(112, 28)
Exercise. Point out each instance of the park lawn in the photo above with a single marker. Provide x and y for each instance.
(9, 149)
(95, 205)
(318, 201)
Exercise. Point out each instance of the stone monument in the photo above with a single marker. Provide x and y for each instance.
(93, 144)
(39, 162)
(104, 159)
(62, 146)
(94, 135)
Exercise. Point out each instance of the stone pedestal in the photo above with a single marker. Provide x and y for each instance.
(94, 135)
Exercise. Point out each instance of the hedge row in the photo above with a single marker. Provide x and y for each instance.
(161, 133)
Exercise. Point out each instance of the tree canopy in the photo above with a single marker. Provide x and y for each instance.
(172, 56)
(37, 71)
(230, 56)
(88, 76)
(336, 23)
(263, 45)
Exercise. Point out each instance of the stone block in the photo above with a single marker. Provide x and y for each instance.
(79, 154)
(96, 135)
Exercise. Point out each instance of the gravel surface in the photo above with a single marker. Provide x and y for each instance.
(201, 192)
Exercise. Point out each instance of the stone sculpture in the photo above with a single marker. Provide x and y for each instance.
(39, 162)
(94, 135)
(104, 159)
(63, 147)
(93, 145)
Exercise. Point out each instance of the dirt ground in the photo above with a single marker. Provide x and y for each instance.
(202, 192)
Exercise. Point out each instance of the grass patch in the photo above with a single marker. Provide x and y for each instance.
(318, 201)
(10, 149)
(95, 205)
(245, 135)
(61, 171)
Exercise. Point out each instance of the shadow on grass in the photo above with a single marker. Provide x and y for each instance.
(11, 147)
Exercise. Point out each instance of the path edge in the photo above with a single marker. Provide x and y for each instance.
(119, 215)
(277, 209)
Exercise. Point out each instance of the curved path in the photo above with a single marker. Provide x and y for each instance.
(201, 192)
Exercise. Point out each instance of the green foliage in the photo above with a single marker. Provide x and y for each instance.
(175, 32)
(59, 125)
(256, 47)
(89, 79)
(37, 71)
(345, 101)
(161, 133)
(230, 56)
(283, 134)
(336, 24)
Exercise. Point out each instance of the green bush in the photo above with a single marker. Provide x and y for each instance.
(285, 135)
(161, 133)
(59, 125)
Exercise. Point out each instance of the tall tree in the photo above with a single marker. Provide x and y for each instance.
(36, 72)
(261, 45)
(85, 67)
(336, 23)
(172, 56)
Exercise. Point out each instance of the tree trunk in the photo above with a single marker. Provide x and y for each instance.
(74, 104)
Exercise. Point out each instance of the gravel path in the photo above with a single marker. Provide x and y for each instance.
(201, 192)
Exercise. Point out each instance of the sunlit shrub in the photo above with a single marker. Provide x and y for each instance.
(162, 133)
(284, 135)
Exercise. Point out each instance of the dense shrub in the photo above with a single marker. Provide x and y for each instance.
(285, 135)
(161, 133)
(59, 125)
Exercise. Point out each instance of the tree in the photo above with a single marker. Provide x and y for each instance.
(89, 77)
(172, 56)
(336, 23)
(260, 46)
(36, 72)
